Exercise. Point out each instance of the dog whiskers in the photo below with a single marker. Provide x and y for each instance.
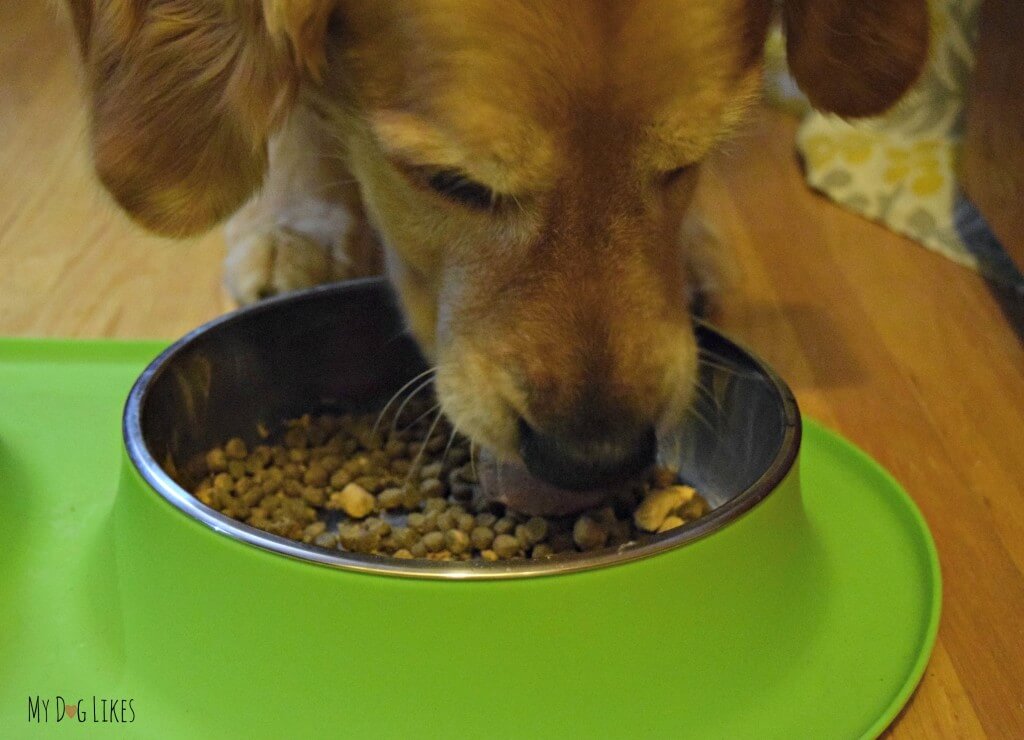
(415, 392)
(448, 447)
(422, 416)
(395, 397)
(419, 455)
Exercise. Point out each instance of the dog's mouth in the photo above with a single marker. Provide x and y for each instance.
(510, 482)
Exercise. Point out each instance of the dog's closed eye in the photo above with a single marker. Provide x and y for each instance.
(675, 175)
(456, 186)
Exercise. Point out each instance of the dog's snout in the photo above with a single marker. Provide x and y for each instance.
(577, 464)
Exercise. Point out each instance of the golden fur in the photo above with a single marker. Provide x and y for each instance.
(563, 304)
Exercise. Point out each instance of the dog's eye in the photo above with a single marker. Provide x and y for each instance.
(673, 176)
(454, 185)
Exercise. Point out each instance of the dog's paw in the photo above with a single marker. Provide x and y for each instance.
(273, 252)
(264, 263)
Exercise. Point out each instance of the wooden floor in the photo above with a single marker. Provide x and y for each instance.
(905, 353)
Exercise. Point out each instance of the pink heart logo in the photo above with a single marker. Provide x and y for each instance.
(71, 710)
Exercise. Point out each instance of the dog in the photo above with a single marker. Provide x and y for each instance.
(522, 171)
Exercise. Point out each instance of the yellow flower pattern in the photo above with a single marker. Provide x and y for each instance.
(900, 168)
(853, 147)
(922, 166)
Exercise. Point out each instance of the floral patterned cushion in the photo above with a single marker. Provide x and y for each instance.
(900, 168)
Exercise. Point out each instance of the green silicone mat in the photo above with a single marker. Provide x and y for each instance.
(60, 626)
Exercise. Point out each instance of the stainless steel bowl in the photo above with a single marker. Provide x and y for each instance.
(345, 346)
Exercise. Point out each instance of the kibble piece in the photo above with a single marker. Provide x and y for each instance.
(377, 526)
(431, 488)
(671, 522)
(405, 536)
(236, 469)
(353, 537)
(588, 534)
(327, 539)
(315, 475)
(541, 550)
(486, 519)
(314, 496)
(456, 541)
(536, 529)
(505, 546)
(418, 549)
(394, 448)
(312, 531)
(330, 463)
(482, 537)
(235, 449)
(403, 554)
(435, 504)
(465, 522)
(340, 478)
(433, 541)
(390, 498)
(223, 482)
(354, 500)
(658, 504)
(489, 555)
(505, 525)
(445, 521)
(695, 508)
(433, 470)
(216, 460)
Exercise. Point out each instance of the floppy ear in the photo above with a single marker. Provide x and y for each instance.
(184, 95)
(855, 57)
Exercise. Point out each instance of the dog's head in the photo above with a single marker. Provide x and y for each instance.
(526, 163)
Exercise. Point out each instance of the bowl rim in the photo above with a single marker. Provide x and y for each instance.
(161, 483)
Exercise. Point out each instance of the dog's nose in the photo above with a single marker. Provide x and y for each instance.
(578, 465)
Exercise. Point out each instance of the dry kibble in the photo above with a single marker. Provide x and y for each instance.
(433, 470)
(390, 498)
(435, 504)
(542, 551)
(327, 539)
(216, 460)
(456, 541)
(431, 488)
(482, 537)
(315, 475)
(671, 523)
(505, 546)
(235, 449)
(354, 500)
(658, 504)
(504, 525)
(486, 519)
(428, 502)
(589, 534)
(312, 531)
(340, 479)
(433, 541)
(695, 508)
(536, 529)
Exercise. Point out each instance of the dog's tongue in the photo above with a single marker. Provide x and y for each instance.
(510, 483)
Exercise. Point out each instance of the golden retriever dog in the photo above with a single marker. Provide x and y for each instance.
(521, 170)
